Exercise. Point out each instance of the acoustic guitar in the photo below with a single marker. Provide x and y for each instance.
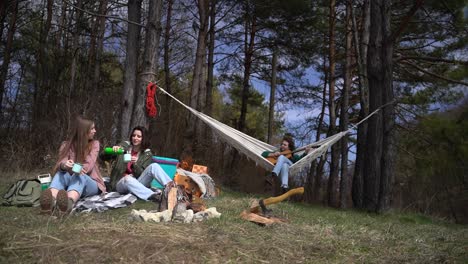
(288, 154)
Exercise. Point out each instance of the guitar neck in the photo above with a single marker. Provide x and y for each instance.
(298, 149)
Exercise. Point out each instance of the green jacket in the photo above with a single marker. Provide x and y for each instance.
(119, 166)
(294, 157)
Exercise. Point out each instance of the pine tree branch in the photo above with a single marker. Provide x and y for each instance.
(432, 59)
(433, 74)
(106, 16)
(405, 22)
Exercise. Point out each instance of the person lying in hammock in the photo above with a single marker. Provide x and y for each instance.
(283, 159)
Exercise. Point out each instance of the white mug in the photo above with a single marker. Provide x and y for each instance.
(127, 157)
(77, 168)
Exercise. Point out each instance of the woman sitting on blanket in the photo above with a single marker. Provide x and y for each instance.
(135, 176)
(68, 186)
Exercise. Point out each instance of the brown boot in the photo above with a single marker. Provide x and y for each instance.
(62, 202)
(47, 202)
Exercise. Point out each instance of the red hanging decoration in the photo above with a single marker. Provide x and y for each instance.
(151, 109)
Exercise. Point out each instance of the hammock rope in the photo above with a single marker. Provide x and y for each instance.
(253, 148)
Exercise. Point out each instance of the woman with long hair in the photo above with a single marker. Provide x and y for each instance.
(135, 176)
(68, 186)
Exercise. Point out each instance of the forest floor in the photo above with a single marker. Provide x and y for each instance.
(313, 234)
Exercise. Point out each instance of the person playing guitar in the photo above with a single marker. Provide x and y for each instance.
(283, 159)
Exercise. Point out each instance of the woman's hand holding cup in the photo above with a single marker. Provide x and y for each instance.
(67, 165)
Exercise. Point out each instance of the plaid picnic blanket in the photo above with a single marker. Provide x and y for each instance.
(103, 202)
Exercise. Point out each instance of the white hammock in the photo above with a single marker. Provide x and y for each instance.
(253, 148)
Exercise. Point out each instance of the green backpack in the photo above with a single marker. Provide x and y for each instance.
(23, 193)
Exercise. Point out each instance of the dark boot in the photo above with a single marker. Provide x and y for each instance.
(47, 202)
(64, 203)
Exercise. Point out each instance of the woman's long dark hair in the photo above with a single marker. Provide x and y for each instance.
(145, 143)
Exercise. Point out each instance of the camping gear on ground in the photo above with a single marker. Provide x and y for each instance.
(203, 182)
(110, 151)
(45, 180)
(265, 217)
(169, 165)
(23, 193)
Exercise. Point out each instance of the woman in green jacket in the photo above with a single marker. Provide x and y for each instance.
(136, 175)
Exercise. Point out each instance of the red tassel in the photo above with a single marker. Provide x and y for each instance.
(151, 109)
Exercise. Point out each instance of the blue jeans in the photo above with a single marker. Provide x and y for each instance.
(83, 184)
(282, 170)
(140, 187)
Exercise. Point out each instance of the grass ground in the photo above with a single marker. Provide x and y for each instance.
(313, 235)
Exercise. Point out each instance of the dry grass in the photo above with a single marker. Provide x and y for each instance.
(313, 235)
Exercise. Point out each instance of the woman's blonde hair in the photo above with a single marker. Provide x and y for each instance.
(78, 140)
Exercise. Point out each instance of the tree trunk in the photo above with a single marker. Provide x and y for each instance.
(94, 56)
(100, 44)
(167, 75)
(271, 113)
(61, 25)
(3, 15)
(200, 56)
(379, 163)
(7, 51)
(131, 67)
(149, 63)
(75, 55)
(316, 170)
(42, 80)
(333, 181)
(361, 52)
(167, 51)
(211, 47)
(13, 115)
(198, 89)
(249, 42)
(344, 179)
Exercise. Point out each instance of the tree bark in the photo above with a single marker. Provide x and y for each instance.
(167, 50)
(131, 67)
(74, 55)
(200, 56)
(42, 80)
(344, 119)
(361, 45)
(7, 51)
(316, 170)
(61, 25)
(149, 63)
(271, 113)
(380, 154)
(100, 44)
(249, 42)
(198, 89)
(3, 12)
(211, 47)
(94, 56)
(167, 75)
(333, 181)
